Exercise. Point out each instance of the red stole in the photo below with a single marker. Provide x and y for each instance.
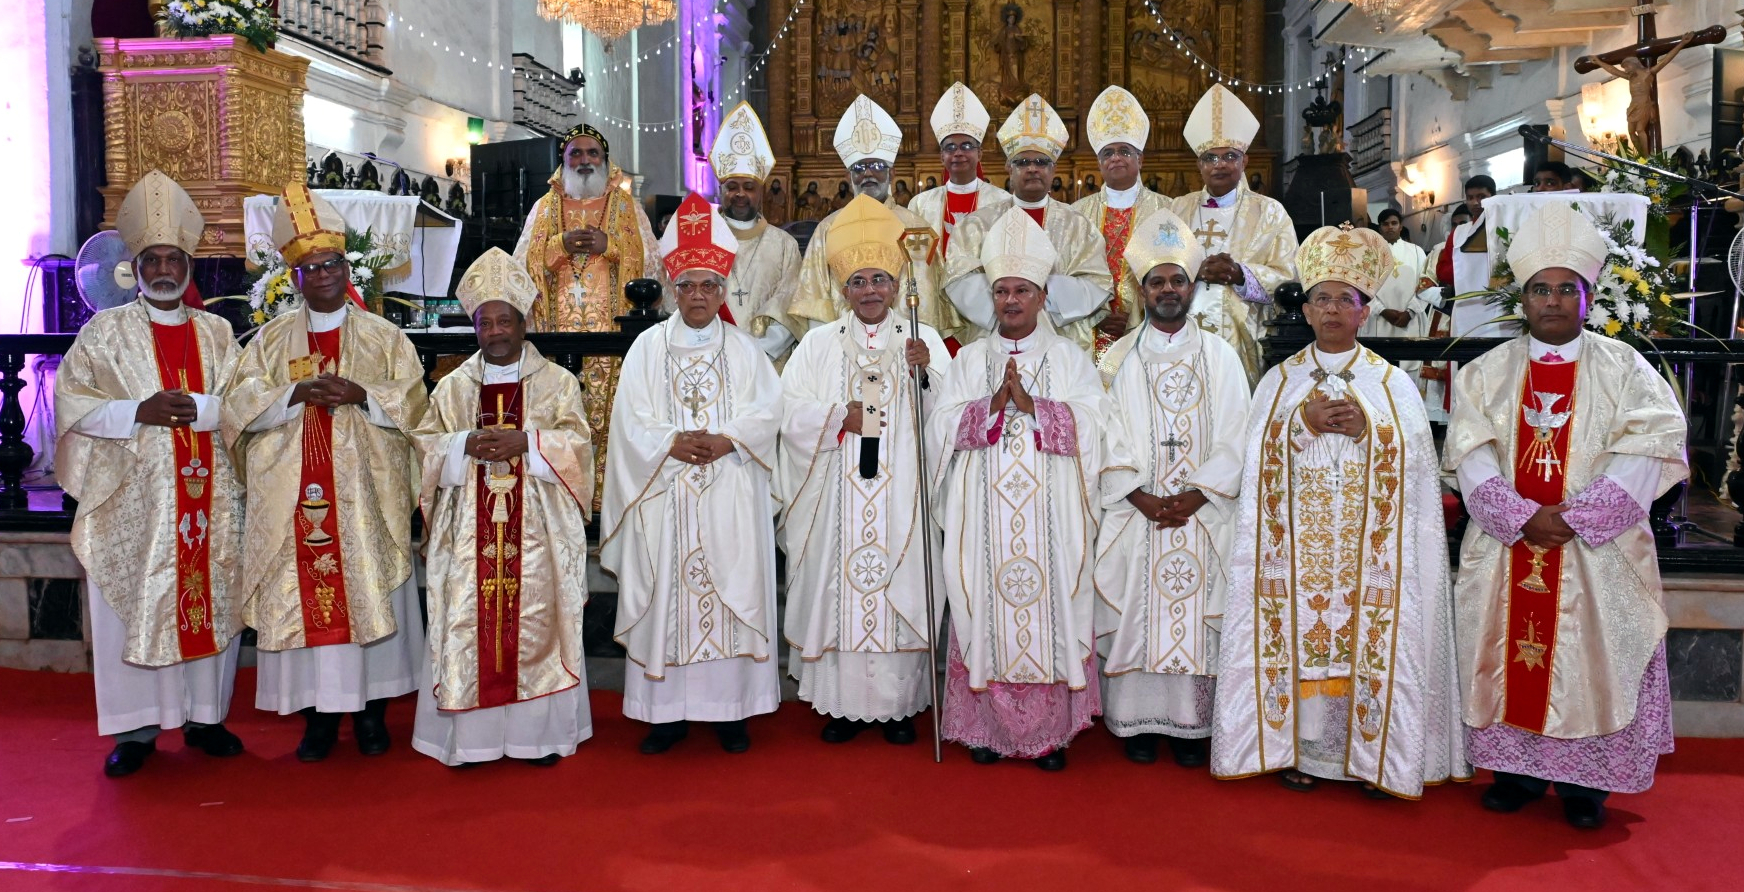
(1039, 215)
(499, 555)
(1116, 232)
(320, 565)
(957, 206)
(179, 367)
(725, 314)
(1535, 581)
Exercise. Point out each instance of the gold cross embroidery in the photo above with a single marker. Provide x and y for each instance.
(1209, 233)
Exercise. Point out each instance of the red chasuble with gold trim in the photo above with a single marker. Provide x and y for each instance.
(499, 553)
(320, 565)
(1116, 232)
(179, 367)
(1534, 575)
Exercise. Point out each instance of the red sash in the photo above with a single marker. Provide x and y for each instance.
(320, 565)
(1039, 215)
(179, 367)
(725, 314)
(499, 558)
(1116, 232)
(957, 206)
(1532, 614)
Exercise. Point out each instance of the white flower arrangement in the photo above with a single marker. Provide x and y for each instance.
(253, 20)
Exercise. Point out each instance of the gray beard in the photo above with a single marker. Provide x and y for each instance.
(167, 294)
(583, 187)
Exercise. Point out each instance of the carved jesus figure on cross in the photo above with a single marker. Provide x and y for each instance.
(1640, 64)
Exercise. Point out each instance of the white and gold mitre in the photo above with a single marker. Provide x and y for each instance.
(1033, 126)
(1016, 246)
(1163, 238)
(867, 131)
(1116, 116)
(865, 235)
(741, 149)
(496, 275)
(157, 211)
(960, 112)
(1359, 258)
(1557, 234)
(1220, 120)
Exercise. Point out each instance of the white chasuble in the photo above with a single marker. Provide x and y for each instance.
(692, 545)
(856, 570)
(1336, 652)
(762, 283)
(1019, 511)
(1180, 409)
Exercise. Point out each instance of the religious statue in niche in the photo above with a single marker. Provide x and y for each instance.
(809, 205)
(775, 203)
(1013, 45)
(856, 53)
(1157, 73)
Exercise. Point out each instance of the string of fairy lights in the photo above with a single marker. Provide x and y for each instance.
(1264, 88)
(411, 29)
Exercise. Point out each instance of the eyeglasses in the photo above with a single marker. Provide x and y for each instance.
(1109, 153)
(710, 288)
(328, 266)
(1030, 163)
(952, 148)
(1566, 289)
(871, 166)
(1334, 301)
(878, 280)
(1210, 159)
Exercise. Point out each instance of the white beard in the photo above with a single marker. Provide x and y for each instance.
(167, 293)
(584, 187)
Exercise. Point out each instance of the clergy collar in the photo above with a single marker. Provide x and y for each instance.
(1121, 199)
(319, 322)
(1569, 352)
(965, 189)
(742, 225)
(1156, 340)
(1225, 200)
(683, 335)
(1031, 205)
(1025, 344)
(502, 374)
(1332, 362)
(165, 317)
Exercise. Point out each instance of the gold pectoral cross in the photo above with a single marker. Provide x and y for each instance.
(1209, 233)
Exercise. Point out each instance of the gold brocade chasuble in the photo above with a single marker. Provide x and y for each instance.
(1255, 232)
(1608, 620)
(819, 298)
(374, 490)
(550, 550)
(1127, 294)
(128, 488)
(1078, 242)
(764, 278)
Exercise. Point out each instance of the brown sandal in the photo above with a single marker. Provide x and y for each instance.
(1296, 780)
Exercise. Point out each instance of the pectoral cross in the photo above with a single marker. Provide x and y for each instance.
(1547, 465)
(1173, 442)
(1209, 233)
(739, 294)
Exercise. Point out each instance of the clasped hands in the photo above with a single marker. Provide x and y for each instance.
(1221, 269)
(167, 408)
(1546, 529)
(586, 240)
(328, 391)
(1011, 391)
(1167, 511)
(1330, 416)
(496, 445)
(699, 447)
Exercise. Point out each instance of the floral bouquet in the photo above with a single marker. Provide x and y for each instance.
(252, 20)
(275, 292)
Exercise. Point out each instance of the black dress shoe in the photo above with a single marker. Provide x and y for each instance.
(1507, 797)
(320, 732)
(841, 730)
(733, 736)
(982, 756)
(128, 757)
(1142, 748)
(545, 761)
(213, 740)
(371, 728)
(1188, 753)
(899, 731)
(663, 736)
(1586, 814)
(1054, 761)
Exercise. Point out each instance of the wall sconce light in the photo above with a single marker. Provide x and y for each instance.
(1601, 119)
(475, 130)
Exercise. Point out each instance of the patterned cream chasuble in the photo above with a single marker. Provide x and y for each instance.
(1327, 591)
(1020, 621)
(702, 628)
(1217, 308)
(868, 623)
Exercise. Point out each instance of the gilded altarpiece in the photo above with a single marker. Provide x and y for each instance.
(903, 53)
(217, 116)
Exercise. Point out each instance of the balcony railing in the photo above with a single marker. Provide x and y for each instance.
(544, 99)
(1371, 142)
(351, 28)
(450, 191)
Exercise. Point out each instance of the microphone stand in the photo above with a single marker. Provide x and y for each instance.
(918, 244)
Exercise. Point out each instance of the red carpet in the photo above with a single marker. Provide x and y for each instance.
(794, 813)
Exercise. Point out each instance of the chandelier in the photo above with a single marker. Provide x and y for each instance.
(610, 19)
(1379, 10)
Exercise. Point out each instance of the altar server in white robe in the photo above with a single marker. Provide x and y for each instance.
(850, 476)
(1020, 424)
(1169, 488)
(507, 478)
(766, 268)
(159, 525)
(687, 510)
(1562, 439)
(1337, 648)
(1406, 301)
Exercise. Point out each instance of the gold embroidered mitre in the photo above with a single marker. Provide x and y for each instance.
(1220, 120)
(865, 235)
(1015, 246)
(1116, 116)
(1359, 258)
(1557, 234)
(1033, 126)
(741, 149)
(496, 275)
(304, 224)
(867, 131)
(1162, 238)
(158, 211)
(698, 238)
(960, 112)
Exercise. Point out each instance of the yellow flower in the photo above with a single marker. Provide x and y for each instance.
(1612, 327)
(1643, 289)
(1653, 182)
(1665, 298)
(1625, 273)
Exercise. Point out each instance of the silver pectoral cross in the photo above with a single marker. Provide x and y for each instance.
(1173, 442)
(1548, 463)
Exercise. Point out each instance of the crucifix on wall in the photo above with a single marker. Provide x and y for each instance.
(1640, 64)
